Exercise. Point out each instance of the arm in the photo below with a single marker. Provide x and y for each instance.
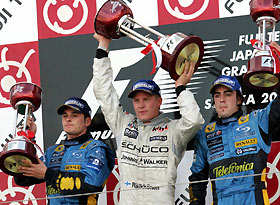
(274, 115)
(199, 169)
(104, 90)
(191, 119)
(269, 117)
(268, 121)
(91, 177)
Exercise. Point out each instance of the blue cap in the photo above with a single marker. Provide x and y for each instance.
(148, 86)
(75, 103)
(228, 81)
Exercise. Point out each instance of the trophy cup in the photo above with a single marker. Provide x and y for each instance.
(25, 98)
(115, 20)
(262, 71)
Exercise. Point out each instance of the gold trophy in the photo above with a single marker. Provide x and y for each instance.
(115, 20)
(263, 73)
(25, 98)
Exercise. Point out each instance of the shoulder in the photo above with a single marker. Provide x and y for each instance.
(55, 147)
(209, 127)
(91, 144)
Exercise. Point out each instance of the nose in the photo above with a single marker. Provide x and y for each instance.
(68, 118)
(222, 98)
(141, 104)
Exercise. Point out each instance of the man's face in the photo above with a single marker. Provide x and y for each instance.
(146, 106)
(74, 123)
(226, 101)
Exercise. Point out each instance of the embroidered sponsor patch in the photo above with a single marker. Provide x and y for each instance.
(217, 156)
(158, 138)
(159, 129)
(210, 127)
(55, 161)
(57, 154)
(243, 119)
(73, 167)
(130, 133)
(59, 148)
(216, 149)
(94, 163)
(133, 126)
(234, 167)
(85, 144)
(76, 156)
(246, 134)
(141, 186)
(214, 134)
(244, 150)
(213, 142)
(246, 142)
(243, 129)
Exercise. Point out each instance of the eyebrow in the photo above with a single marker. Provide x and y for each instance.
(227, 91)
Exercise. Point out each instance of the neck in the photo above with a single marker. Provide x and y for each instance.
(70, 137)
(229, 119)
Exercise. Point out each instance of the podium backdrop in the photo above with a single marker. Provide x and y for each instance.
(50, 43)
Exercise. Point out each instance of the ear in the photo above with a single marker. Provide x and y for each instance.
(88, 121)
(159, 101)
(239, 100)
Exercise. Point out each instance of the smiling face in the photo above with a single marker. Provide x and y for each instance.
(226, 101)
(146, 106)
(74, 123)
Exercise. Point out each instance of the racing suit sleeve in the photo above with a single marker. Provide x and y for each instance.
(274, 115)
(91, 177)
(190, 122)
(269, 119)
(199, 169)
(107, 96)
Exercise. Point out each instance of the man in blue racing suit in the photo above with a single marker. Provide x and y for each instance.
(78, 165)
(233, 146)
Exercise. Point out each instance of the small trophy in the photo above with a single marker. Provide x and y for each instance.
(25, 98)
(115, 20)
(263, 74)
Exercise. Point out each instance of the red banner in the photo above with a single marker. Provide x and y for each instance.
(273, 177)
(10, 192)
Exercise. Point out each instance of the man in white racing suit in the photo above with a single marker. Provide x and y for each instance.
(150, 146)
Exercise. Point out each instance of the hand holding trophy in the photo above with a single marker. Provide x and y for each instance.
(264, 67)
(115, 20)
(25, 98)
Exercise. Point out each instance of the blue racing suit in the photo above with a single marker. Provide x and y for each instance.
(234, 147)
(75, 166)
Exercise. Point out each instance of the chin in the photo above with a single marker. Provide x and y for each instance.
(143, 118)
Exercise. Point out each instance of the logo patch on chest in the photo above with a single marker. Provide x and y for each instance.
(158, 138)
(246, 142)
(130, 133)
(213, 142)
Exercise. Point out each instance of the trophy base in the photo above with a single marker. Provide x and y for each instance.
(265, 81)
(13, 153)
(177, 50)
(261, 74)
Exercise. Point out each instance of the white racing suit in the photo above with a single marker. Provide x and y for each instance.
(148, 153)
